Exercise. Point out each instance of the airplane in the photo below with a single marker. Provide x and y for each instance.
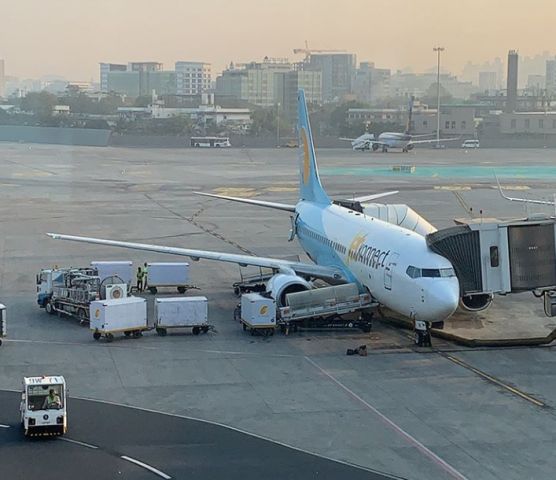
(392, 263)
(404, 141)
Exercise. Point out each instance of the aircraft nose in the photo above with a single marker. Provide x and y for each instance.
(443, 299)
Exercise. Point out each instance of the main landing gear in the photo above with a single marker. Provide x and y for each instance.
(422, 334)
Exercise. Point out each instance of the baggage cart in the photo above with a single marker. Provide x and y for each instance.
(181, 312)
(258, 314)
(126, 315)
(167, 275)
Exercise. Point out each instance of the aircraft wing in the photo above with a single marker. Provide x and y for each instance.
(284, 266)
(433, 140)
(374, 196)
(347, 139)
(258, 203)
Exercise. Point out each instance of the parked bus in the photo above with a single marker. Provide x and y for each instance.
(210, 142)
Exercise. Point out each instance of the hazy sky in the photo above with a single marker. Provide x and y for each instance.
(70, 37)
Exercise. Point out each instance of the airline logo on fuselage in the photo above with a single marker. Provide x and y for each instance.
(361, 252)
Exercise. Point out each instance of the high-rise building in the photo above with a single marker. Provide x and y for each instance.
(254, 82)
(193, 78)
(2, 79)
(288, 85)
(371, 84)
(145, 66)
(233, 83)
(551, 76)
(488, 82)
(338, 70)
(511, 88)
(105, 69)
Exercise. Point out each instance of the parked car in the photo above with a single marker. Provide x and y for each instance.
(470, 144)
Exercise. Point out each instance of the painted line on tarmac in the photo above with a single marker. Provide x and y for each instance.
(76, 442)
(4, 426)
(407, 436)
(147, 467)
(495, 381)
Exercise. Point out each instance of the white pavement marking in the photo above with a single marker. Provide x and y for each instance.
(148, 467)
(4, 426)
(83, 444)
(408, 437)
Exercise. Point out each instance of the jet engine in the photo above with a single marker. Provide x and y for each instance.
(476, 303)
(281, 284)
(375, 147)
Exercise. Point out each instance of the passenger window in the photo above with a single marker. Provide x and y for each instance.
(494, 256)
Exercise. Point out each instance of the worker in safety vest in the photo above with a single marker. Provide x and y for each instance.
(140, 276)
(145, 275)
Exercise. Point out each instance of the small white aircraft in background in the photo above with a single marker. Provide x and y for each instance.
(402, 140)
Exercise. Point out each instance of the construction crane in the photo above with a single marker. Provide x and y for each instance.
(308, 51)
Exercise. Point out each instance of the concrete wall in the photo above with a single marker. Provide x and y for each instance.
(55, 135)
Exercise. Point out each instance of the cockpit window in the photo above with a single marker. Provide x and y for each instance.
(414, 272)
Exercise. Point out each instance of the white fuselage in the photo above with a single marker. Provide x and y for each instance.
(395, 139)
(377, 256)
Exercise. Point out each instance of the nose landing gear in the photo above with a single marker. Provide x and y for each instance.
(422, 334)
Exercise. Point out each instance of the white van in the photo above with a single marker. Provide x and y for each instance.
(470, 144)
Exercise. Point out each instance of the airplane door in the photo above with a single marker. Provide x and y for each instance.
(388, 271)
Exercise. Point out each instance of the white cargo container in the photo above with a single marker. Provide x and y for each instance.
(258, 313)
(121, 269)
(127, 315)
(179, 312)
(167, 274)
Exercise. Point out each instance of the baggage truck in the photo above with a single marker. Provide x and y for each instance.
(68, 291)
(43, 406)
(120, 269)
(168, 274)
(125, 315)
(181, 312)
(258, 314)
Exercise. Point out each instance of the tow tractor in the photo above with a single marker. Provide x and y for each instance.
(43, 406)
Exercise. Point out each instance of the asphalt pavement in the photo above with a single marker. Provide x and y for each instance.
(107, 441)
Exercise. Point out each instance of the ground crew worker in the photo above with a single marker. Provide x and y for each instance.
(145, 275)
(140, 275)
(52, 400)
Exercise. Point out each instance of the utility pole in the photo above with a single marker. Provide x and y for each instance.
(438, 50)
(278, 124)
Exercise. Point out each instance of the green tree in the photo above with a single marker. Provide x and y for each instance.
(39, 103)
(431, 96)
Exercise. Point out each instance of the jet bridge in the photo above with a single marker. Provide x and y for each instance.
(492, 256)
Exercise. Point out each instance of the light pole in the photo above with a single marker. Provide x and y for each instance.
(278, 124)
(438, 50)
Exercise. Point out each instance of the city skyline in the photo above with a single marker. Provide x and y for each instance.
(128, 31)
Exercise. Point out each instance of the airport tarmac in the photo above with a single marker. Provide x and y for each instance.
(450, 412)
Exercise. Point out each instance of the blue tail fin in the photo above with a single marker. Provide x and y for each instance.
(310, 188)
